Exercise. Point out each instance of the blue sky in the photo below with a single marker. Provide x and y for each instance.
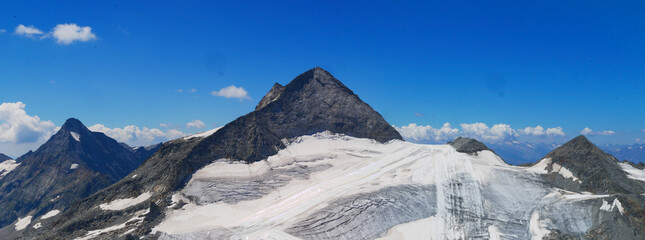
(568, 65)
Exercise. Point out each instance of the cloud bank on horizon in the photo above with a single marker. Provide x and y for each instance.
(20, 132)
(495, 134)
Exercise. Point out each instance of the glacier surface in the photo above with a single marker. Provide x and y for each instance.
(327, 186)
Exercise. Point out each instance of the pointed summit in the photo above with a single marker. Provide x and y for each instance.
(597, 171)
(71, 165)
(316, 101)
(73, 124)
(273, 94)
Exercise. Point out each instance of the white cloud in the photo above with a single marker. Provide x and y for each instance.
(165, 125)
(232, 92)
(496, 133)
(135, 136)
(555, 132)
(70, 32)
(534, 131)
(420, 133)
(193, 90)
(27, 31)
(480, 131)
(643, 130)
(2, 31)
(590, 132)
(18, 127)
(195, 124)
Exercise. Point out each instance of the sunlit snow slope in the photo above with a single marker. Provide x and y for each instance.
(327, 186)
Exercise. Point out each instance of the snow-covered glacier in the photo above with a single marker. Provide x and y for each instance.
(329, 186)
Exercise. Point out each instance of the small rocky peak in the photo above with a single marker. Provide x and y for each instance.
(273, 94)
(468, 145)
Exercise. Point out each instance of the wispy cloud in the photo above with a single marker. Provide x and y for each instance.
(590, 132)
(27, 31)
(195, 124)
(232, 92)
(2, 31)
(64, 34)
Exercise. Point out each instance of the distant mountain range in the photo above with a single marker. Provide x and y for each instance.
(517, 153)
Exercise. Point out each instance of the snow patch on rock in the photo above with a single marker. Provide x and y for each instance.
(120, 204)
(202, 134)
(50, 214)
(22, 223)
(542, 165)
(7, 166)
(136, 219)
(610, 207)
(76, 136)
(73, 166)
(632, 172)
(37, 226)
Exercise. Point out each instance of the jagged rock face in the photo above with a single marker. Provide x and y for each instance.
(313, 102)
(71, 165)
(598, 171)
(275, 93)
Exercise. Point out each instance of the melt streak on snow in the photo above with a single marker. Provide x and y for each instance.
(7, 166)
(327, 186)
(120, 204)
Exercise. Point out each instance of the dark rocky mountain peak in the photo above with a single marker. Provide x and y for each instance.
(468, 145)
(597, 171)
(73, 124)
(71, 165)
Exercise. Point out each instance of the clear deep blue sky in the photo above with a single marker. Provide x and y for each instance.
(572, 64)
